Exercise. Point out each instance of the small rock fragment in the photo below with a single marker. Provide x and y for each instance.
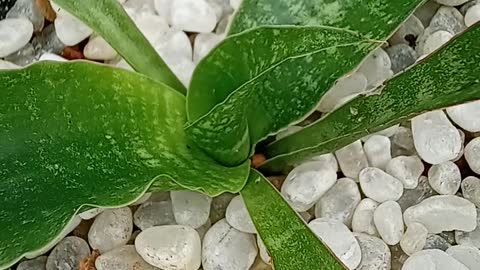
(193, 16)
(378, 151)
(346, 86)
(435, 241)
(377, 68)
(389, 223)
(362, 221)
(111, 229)
(414, 239)
(15, 34)
(380, 186)
(238, 217)
(375, 253)
(407, 169)
(402, 56)
(445, 178)
(352, 159)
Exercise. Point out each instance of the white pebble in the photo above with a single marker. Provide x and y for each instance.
(375, 253)
(193, 16)
(152, 26)
(435, 41)
(227, 248)
(378, 151)
(163, 8)
(263, 252)
(362, 221)
(328, 160)
(170, 247)
(52, 57)
(407, 169)
(389, 222)
(472, 15)
(443, 213)
(346, 86)
(467, 115)
(122, 258)
(451, 3)
(436, 139)
(380, 186)
(151, 214)
(352, 159)
(472, 155)
(339, 239)
(339, 202)
(445, 178)
(471, 190)
(190, 208)
(469, 256)
(377, 68)
(414, 239)
(111, 229)
(432, 259)
(470, 238)
(34, 264)
(238, 217)
(204, 43)
(69, 29)
(15, 34)
(306, 183)
(448, 19)
(98, 49)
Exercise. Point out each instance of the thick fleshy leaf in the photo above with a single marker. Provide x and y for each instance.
(449, 77)
(257, 82)
(284, 93)
(109, 20)
(291, 244)
(78, 133)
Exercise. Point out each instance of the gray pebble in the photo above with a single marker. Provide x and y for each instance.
(448, 19)
(435, 241)
(33, 264)
(68, 254)
(151, 214)
(402, 56)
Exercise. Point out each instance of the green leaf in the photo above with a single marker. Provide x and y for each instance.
(291, 244)
(259, 81)
(110, 21)
(448, 77)
(78, 134)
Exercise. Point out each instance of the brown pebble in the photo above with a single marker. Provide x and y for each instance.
(258, 160)
(73, 53)
(47, 10)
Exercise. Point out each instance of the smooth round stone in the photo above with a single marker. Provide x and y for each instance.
(111, 229)
(435, 241)
(68, 254)
(375, 253)
(445, 178)
(472, 15)
(142, 7)
(377, 67)
(219, 206)
(388, 220)
(221, 7)
(448, 19)
(432, 259)
(70, 30)
(346, 86)
(152, 26)
(170, 247)
(472, 155)
(402, 56)
(238, 217)
(145, 197)
(263, 252)
(151, 214)
(98, 49)
(407, 169)
(339, 239)
(469, 256)
(403, 138)
(414, 196)
(122, 258)
(352, 159)
(362, 221)
(15, 34)
(426, 12)
(380, 186)
(183, 70)
(451, 3)
(469, 238)
(471, 190)
(378, 151)
(204, 43)
(435, 41)
(436, 139)
(8, 65)
(163, 8)
(328, 160)
(443, 213)
(190, 208)
(414, 239)
(467, 115)
(339, 202)
(28, 9)
(38, 263)
(89, 214)
(410, 29)
(462, 148)
(227, 248)
(463, 9)
(306, 183)
(193, 16)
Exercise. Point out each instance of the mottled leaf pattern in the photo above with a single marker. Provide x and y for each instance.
(78, 133)
(290, 242)
(448, 77)
(109, 20)
(285, 70)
